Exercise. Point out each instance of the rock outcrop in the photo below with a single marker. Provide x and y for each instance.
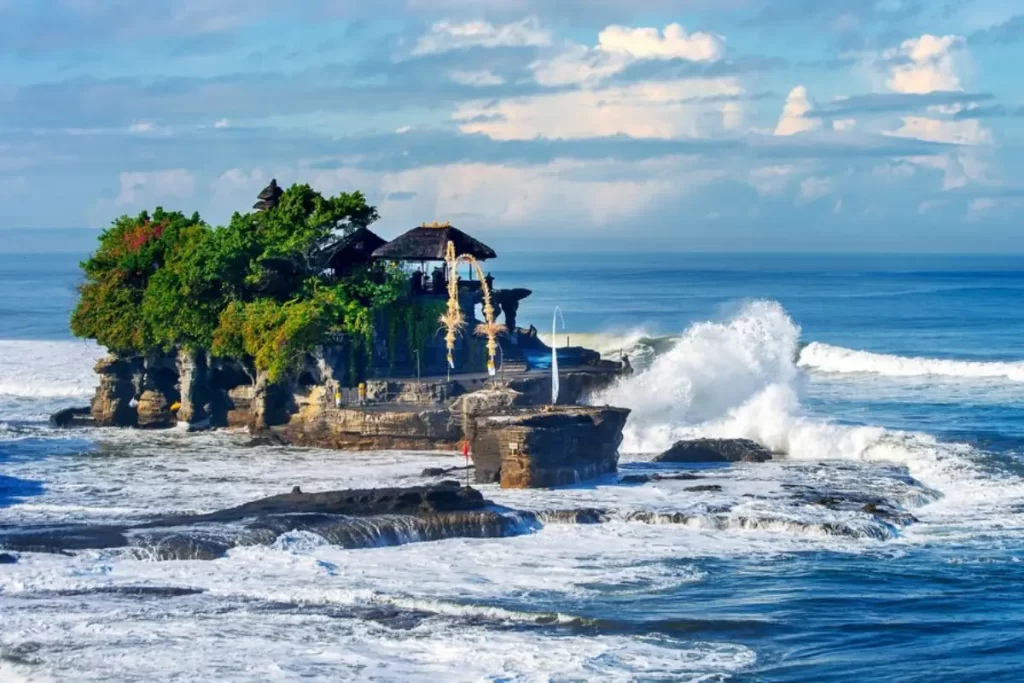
(119, 381)
(194, 387)
(351, 519)
(72, 417)
(550, 446)
(447, 496)
(389, 426)
(715, 450)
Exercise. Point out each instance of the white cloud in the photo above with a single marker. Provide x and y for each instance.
(925, 65)
(447, 35)
(139, 187)
(222, 123)
(772, 180)
(929, 64)
(672, 43)
(794, 114)
(646, 110)
(618, 47)
(980, 208)
(477, 78)
(844, 125)
(141, 127)
(491, 195)
(815, 188)
(966, 132)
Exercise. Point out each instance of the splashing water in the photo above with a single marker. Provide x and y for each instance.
(738, 379)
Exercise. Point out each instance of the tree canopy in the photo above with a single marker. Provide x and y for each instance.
(257, 289)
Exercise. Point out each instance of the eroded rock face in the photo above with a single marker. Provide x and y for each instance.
(194, 386)
(715, 450)
(378, 427)
(551, 446)
(119, 380)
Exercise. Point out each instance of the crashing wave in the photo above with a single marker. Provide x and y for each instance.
(738, 378)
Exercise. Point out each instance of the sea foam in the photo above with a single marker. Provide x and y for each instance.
(836, 359)
(737, 378)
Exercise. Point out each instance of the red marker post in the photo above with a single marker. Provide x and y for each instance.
(465, 454)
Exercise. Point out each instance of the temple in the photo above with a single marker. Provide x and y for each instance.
(411, 385)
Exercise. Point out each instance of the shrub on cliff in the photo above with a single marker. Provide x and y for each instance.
(257, 289)
(118, 275)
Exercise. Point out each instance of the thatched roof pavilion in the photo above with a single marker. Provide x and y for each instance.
(429, 243)
(354, 249)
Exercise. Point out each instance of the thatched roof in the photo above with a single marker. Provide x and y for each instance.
(429, 243)
(356, 247)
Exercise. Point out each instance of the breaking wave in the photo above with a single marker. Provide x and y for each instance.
(47, 369)
(835, 359)
(737, 378)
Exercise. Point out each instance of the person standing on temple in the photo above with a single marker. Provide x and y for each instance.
(417, 282)
(490, 282)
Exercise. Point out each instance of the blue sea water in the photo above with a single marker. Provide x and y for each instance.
(896, 380)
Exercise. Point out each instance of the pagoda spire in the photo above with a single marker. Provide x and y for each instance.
(269, 197)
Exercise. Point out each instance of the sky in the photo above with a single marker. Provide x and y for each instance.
(691, 125)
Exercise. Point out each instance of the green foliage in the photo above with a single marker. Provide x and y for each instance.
(421, 324)
(256, 289)
(118, 274)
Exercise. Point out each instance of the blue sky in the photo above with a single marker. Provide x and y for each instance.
(785, 125)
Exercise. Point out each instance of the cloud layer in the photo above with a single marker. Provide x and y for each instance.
(578, 117)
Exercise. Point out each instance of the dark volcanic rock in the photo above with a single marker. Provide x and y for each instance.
(71, 417)
(7, 558)
(443, 471)
(447, 496)
(716, 450)
(710, 488)
(356, 518)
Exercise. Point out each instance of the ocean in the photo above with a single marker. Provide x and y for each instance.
(891, 382)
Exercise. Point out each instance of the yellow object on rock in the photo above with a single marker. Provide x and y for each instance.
(175, 406)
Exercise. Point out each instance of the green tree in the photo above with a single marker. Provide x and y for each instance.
(256, 289)
(117, 275)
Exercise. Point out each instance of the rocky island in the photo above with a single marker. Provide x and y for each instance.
(301, 324)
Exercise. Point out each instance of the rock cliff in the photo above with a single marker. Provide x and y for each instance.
(549, 446)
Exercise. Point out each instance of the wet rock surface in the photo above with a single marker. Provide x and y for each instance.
(550, 446)
(72, 417)
(354, 518)
(446, 496)
(715, 450)
(7, 558)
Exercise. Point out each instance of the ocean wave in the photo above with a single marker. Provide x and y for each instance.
(48, 369)
(838, 360)
(737, 378)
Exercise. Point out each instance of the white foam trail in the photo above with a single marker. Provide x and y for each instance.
(838, 360)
